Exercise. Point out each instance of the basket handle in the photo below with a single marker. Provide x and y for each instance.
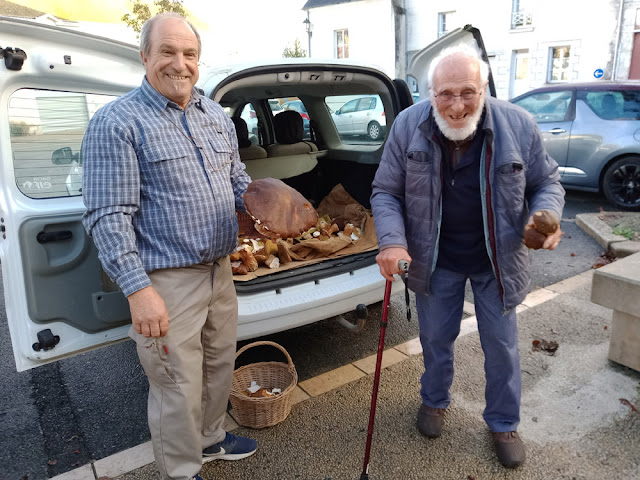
(265, 342)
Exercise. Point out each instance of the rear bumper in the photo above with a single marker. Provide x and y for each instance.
(280, 309)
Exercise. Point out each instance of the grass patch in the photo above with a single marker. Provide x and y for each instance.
(624, 231)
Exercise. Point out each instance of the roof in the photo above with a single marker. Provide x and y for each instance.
(10, 9)
(597, 85)
(323, 3)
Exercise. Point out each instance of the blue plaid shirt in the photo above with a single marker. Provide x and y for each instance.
(161, 184)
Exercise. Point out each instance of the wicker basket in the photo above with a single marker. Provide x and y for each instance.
(263, 411)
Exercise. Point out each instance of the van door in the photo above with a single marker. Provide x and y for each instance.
(58, 300)
(419, 63)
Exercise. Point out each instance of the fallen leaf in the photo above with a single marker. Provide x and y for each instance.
(573, 254)
(542, 345)
(605, 327)
(52, 462)
(624, 401)
(605, 259)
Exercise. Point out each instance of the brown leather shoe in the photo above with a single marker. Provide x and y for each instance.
(430, 421)
(509, 448)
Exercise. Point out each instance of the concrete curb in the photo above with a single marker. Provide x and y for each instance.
(141, 455)
(603, 234)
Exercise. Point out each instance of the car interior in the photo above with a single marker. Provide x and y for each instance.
(316, 164)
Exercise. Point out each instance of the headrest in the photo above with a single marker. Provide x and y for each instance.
(288, 127)
(242, 132)
(609, 100)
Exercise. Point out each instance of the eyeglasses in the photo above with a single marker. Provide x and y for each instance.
(445, 98)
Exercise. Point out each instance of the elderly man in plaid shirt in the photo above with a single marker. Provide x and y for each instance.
(162, 182)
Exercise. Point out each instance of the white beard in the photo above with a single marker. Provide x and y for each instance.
(456, 134)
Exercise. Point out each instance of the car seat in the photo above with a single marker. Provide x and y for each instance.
(289, 131)
(609, 106)
(246, 150)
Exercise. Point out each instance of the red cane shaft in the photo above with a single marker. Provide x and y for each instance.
(376, 378)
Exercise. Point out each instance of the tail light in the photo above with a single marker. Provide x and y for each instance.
(383, 113)
(305, 116)
(252, 114)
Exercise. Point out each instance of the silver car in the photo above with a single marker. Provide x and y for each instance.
(593, 131)
(361, 116)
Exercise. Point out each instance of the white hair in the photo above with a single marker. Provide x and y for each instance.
(463, 49)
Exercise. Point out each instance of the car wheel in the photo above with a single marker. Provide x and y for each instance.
(374, 131)
(621, 183)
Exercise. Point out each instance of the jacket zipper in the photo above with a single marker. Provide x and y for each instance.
(489, 218)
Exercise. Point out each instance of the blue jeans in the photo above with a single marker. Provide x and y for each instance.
(440, 314)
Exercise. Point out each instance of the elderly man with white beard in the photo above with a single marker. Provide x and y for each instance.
(455, 188)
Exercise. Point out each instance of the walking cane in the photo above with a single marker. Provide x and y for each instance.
(404, 266)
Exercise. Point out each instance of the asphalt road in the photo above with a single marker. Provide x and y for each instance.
(60, 416)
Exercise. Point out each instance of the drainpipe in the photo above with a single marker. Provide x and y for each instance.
(615, 53)
(400, 31)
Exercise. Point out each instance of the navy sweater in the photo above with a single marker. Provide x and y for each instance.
(462, 248)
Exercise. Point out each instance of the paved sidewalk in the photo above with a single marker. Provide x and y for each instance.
(573, 420)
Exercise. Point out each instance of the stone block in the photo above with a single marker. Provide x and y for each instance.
(617, 285)
(624, 249)
(390, 357)
(624, 346)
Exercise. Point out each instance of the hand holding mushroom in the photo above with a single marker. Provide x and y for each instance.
(542, 231)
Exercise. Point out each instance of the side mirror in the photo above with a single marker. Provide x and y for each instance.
(338, 112)
(62, 156)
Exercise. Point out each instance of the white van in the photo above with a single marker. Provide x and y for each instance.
(58, 299)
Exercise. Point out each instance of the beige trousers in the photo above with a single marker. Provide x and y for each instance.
(190, 369)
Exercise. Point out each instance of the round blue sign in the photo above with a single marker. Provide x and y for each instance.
(598, 73)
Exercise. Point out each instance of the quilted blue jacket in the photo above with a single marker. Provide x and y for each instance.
(517, 178)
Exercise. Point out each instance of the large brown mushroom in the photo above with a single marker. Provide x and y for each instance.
(278, 210)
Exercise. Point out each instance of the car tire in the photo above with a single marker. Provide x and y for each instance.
(621, 183)
(374, 131)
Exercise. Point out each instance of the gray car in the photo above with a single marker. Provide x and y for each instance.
(593, 131)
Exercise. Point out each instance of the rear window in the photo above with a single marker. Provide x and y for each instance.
(46, 129)
(615, 104)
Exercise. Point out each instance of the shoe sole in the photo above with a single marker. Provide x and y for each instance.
(226, 456)
(428, 435)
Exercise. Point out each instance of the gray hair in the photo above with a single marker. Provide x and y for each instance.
(147, 27)
(465, 50)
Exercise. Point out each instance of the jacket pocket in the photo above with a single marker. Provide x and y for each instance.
(165, 151)
(419, 163)
(154, 358)
(220, 155)
(170, 165)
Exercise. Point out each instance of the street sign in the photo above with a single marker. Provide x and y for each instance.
(598, 73)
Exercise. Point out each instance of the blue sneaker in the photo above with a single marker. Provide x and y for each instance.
(197, 477)
(232, 447)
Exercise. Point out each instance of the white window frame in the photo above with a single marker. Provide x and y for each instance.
(550, 64)
(521, 16)
(443, 19)
(344, 43)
